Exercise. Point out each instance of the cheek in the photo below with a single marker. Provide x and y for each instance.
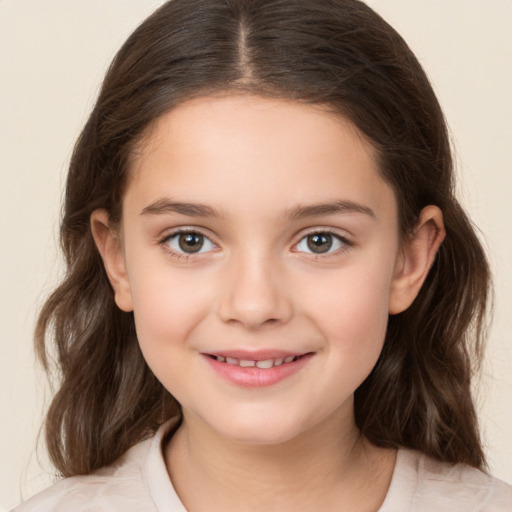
(166, 309)
(355, 326)
(351, 310)
(165, 313)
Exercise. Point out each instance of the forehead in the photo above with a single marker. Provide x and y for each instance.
(239, 150)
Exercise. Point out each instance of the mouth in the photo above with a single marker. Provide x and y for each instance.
(261, 369)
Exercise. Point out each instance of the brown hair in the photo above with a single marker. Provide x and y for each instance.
(337, 53)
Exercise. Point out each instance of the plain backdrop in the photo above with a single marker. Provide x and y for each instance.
(52, 58)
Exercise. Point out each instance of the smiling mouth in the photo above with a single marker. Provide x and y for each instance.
(265, 364)
(257, 369)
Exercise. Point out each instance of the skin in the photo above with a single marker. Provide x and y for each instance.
(256, 284)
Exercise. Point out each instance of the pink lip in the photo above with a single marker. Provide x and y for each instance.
(254, 377)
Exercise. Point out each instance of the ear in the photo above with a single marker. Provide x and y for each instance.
(111, 251)
(417, 256)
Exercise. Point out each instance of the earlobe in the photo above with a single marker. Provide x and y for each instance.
(110, 248)
(417, 256)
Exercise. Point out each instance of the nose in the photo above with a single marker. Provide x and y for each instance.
(254, 293)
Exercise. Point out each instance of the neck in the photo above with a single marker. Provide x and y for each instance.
(326, 468)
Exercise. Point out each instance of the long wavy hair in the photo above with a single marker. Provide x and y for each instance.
(336, 53)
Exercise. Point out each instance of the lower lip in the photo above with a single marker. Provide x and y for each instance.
(254, 377)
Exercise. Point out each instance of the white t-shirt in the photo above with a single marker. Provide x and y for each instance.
(139, 482)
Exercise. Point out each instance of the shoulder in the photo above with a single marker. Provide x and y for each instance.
(422, 483)
(118, 487)
(462, 485)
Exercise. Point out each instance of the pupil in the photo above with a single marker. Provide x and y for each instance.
(191, 242)
(320, 243)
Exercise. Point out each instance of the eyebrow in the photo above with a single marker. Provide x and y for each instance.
(315, 210)
(166, 206)
(163, 206)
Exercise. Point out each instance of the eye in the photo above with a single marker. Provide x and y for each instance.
(189, 242)
(321, 243)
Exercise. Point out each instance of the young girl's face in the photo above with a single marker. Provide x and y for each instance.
(260, 254)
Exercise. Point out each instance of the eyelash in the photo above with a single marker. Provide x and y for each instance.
(345, 243)
(164, 242)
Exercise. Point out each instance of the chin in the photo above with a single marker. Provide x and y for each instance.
(268, 431)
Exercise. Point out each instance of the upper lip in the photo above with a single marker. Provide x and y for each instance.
(255, 355)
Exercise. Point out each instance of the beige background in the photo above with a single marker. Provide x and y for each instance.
(52, 57)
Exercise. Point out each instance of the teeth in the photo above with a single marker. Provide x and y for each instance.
(265, 365)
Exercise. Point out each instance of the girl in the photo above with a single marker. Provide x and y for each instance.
(273, 300)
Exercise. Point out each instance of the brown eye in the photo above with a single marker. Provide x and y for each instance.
(190, 242)
(321, 243)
